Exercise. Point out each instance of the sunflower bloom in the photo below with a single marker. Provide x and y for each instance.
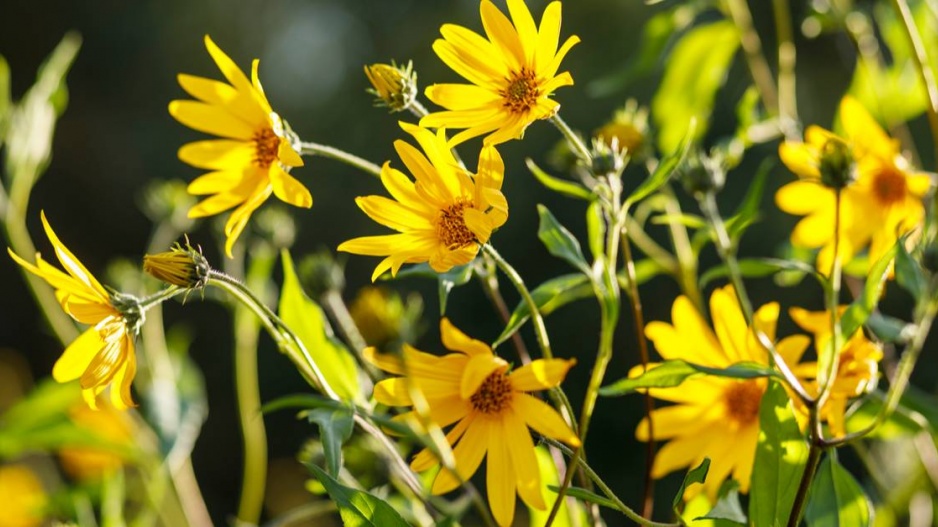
(474, 390)
(104, 353)
(443, 216)
(93, 463)
(712, 416)
(512, 73)
(857, 369)
(883, 203)
(253, 157)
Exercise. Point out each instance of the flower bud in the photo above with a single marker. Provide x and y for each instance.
(629, 128)
(181, 266)
(394, 86)
(702, 174)
(836, 164)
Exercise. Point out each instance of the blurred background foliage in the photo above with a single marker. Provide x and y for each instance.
(116, 137)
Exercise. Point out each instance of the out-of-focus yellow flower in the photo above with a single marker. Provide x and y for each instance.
(394, 86)
(91, 463)
(251, 161)
(22, 498)
(884, 202)
(857, 370)
(713, 417)
(628, 128)
(104, 354)
(512, 73)
(379, 315)
(443, 216)
(491, 411)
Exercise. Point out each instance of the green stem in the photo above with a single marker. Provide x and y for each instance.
(335, 306)
(579, 148)
(604, 488)
(159, 297)
(489, 281)
(417, 108)
(314, 149)
(724, 244)
(752, 48)
(833, 306)
(787, 95)
(687, 260)
(923, 65)
(801, 497)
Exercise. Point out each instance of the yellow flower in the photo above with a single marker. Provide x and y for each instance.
(857, 370)
(104, 353)
(92, 463)
(474, 391)
(252, 159)
(713, 417)
(443, 216)
(883, 203)
(182, 266)
(22, 496)
(394, 86)
(513, 73)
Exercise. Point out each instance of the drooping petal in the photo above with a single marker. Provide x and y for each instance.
(69, 262)
(468, 454)
(541, 374)
(456, 340)
(210, 119)
(288, 189)
(523, 458)
(77, 356)
(544, 419)
(500, 477)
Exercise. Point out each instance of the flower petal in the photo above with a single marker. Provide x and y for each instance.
(544, 419)
(541, 374)
(456, 340)
(288, 189)
(500, 477)
(78, 355)
(218, 154)
(523, 459)
(477, 371)
(210, 119)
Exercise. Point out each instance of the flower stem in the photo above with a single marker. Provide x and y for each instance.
(724, 244)
(159, 297)
(752, 48)
(489, 281)
(687, 260)
(417, 108)
(787, 95)
(635, 300)
(801, 497)
(920, 55)
(315, 149)
(604, 488)
(335, 306)
(579, 148)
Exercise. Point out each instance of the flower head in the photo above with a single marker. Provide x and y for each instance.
(627, 129)
(182, 266)
(512, 73)
(443, 216)
(881, 197)
(104, 353)
(394, 86)
(474, 390)
(253, 157)
(857, 369)
(713, 417)
(24, 499)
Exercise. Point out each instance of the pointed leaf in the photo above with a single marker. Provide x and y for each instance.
(548, 297)
(560, 186)
(697, 474)
(836, 499)
(861, 308)
(665, 169)
(673, 373)
(909, 273)
(559, 241)
(358, 508)
(308, 321)
(335, 428)
(587, 496)
(781, 455)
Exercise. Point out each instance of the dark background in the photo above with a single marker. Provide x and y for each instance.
(116, 136)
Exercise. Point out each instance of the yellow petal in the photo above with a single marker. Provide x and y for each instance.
(502, 34)
(210, 119)
(393, 392)
(234, 183)
(229, 69)
(523, 459)
(544, 419)
(222, 95)
(800, 159)
(527, 30)
(76, 357)
(673, 421)
(548, 36)
(478, 223)
(477, 370)
(541, 374)
(683, 451)
(470, 56)
(120, 390)
(393, 214)
(426, 459)
(287, 155)
(500, 478)
(729, 323)
(551, 69)
(462, 96)
(456, 340)
(468, 454)
(218, 154)
(239, 218)
(70, 262)
(864, 131)
(690, 338)
(288, 189)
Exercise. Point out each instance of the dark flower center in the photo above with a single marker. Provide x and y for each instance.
(522, 92)
(452, 227)
(889, 186)
(266, 147)
(742, 401)
(494, 395)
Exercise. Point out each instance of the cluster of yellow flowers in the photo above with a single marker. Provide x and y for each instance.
(856, 192)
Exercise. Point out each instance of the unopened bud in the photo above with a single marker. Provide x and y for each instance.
(182, 266)
(702, 174)
(394, 86)
(836, 164)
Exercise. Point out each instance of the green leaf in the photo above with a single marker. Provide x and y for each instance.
(890, 329)
(695, 70)
(861, 308)
(748, 211)
(673, 373)
(587, 496)
(446, 282)
(560, 186)
(595, 229)
(358, 508)
(300, 401)
(727, 508)
(781, 455)
(6, 99)
(691, 221)
(664, 171)
(645, 270)
(697, 474)
(335, 428)
(570, 513)
(903, 422)
(559, 241)
(909, 273)
(548, 296)
(308, 321)
(836, 499)
(758, 268)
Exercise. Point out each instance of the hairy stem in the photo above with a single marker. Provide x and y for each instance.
(315, 149)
